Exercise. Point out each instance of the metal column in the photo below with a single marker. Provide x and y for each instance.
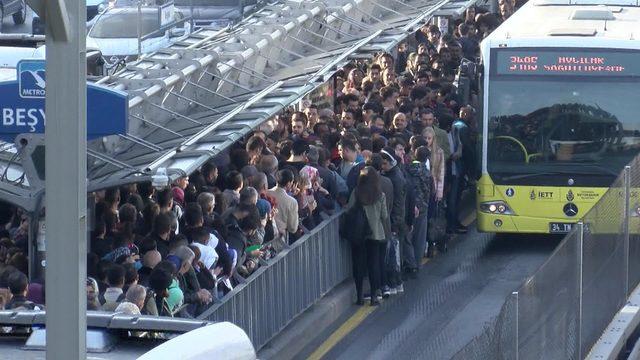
(66, 178)
(627, 214)
(516, 296)
(580, 226)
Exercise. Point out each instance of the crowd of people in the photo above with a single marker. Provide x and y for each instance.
(399, 140)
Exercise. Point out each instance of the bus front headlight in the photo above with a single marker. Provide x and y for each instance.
(496, 207)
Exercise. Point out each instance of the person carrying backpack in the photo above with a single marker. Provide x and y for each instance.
(368, 229)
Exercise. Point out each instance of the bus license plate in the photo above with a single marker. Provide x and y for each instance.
(560, 228)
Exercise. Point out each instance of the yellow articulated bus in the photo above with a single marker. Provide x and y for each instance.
(561, 112)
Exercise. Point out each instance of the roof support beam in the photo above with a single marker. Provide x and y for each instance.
(174, 113)
(156, 125)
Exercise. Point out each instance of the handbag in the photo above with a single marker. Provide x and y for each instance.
(437, 224)
(354, 225)
(392, 258)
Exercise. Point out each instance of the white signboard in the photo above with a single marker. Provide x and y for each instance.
(166, 14)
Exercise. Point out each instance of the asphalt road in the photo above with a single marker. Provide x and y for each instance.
(455, 295)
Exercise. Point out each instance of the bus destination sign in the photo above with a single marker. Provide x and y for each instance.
(562, 63)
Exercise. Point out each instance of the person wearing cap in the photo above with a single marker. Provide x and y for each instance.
(391, 170)
(264, 209)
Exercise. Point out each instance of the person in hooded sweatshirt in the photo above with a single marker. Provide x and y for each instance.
(420, 181)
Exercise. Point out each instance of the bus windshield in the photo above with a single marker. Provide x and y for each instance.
(581, 126)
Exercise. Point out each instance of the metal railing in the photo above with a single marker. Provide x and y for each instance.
(287, 285)
(562, 310)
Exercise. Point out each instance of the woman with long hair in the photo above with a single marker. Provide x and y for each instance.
(367, 255)
(437, 167)
(436, 162)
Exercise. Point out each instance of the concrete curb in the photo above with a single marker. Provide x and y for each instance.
(305, 328)
(618, 331)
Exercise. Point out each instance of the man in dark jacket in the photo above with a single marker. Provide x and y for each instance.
(18, 285)
(391, 169)
(149, 261)
(242, 222)
(161, 233)
(420, 181)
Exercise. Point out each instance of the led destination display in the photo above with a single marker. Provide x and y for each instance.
(562, 63)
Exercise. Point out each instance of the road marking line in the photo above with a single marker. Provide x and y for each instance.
(354, 321)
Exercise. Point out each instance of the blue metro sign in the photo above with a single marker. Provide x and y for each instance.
(22, 105)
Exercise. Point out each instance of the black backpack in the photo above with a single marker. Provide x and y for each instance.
(355, 225)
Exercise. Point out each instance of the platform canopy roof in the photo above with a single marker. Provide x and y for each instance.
(191, 101)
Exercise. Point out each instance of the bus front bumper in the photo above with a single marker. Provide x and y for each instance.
(522, 224)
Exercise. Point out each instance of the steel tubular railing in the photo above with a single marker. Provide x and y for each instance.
(287, 285)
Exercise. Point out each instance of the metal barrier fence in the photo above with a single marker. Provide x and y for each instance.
(561, 311)
(287, 285)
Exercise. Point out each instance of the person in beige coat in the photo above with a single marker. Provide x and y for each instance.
(369, 256)
(287, 215)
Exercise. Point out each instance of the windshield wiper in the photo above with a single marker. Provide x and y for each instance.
(599, 170)
(596, 170)
(526, 176)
